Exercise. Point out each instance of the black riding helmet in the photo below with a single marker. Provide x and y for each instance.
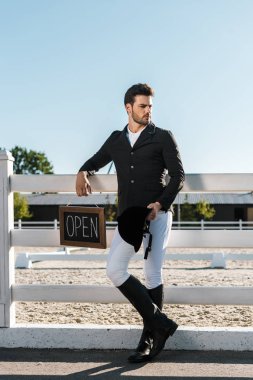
(133, 224)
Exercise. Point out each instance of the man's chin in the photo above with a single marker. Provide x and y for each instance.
(145, 121)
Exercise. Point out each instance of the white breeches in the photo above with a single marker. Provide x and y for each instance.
(121, 253)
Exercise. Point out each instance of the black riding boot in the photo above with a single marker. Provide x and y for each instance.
(160, 326)
(143, 349)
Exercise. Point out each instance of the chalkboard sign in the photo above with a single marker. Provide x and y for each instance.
(82, 226)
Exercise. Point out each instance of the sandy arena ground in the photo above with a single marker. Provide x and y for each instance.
(176, 273)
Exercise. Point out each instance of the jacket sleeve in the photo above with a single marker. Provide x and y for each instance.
(175, 169)
(99, 159)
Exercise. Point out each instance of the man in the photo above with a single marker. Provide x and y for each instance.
(142, 154)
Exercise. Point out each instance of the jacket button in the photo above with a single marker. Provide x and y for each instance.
(132, 166)
(132, 153)
(132, 181)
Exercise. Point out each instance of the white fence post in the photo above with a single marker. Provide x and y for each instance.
(7, 308)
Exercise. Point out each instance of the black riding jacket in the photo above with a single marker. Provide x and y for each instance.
(141, 169)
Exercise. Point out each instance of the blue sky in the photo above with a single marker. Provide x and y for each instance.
(66, 64)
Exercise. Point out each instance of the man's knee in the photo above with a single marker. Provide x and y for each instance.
(153, 280)
(116, 275)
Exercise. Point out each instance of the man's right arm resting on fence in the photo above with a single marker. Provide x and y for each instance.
(96, 162)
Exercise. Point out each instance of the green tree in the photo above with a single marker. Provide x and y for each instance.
(193, 212)
(27, 162)
(21, 207)
(187, 212)
(204, 210)
(30, 162)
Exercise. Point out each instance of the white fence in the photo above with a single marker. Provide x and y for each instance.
(213, 225)
(217, 259)
(10, 237)
(198, 225)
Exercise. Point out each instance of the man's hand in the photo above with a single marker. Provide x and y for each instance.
(82, 184)
(156, 207)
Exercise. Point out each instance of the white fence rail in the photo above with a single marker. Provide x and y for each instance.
(178, 239)
(107, 294)
(213, 225)
(185, 225)
(195, 183)
(217, 259)
(10, 237)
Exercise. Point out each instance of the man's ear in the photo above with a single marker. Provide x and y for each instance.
(128, 108)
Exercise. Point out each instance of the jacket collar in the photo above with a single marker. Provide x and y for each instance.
(124, 138)
(146, 135)
(150, 128)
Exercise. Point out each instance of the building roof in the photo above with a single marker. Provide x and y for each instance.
(110, 198)
(216, 198)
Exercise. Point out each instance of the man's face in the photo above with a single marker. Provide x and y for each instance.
(141, 110)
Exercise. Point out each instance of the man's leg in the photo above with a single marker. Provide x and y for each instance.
(138, 295)
(118, 259)
(153, 266)
(160, 326)
(160, 229)
(145, 343)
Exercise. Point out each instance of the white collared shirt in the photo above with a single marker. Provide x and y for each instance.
(133, 136)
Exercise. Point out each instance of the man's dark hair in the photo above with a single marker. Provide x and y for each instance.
(137, 89)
